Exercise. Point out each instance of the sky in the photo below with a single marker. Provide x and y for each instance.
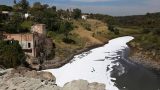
(111, 7)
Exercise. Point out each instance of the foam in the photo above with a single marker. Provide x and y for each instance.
(85, 67)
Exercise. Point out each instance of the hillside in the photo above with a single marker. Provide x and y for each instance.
(150, 20)
(86, 34)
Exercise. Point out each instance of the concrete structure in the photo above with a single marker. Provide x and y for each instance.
(39, 28)
(28, 42)
(32, 43)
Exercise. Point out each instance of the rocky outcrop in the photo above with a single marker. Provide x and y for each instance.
(83, 85)
(24, 79)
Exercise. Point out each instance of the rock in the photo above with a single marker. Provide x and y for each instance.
(47, 76)
(31, 74)
(29, 80)
(83, 85)
(24, 79)
(76, 85)
(24, 72)
(96, 86)
(23, 83)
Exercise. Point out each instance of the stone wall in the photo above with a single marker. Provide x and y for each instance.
(39, 28)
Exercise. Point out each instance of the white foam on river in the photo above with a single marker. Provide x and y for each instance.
(94, 65)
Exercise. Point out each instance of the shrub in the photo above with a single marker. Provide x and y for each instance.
(86, 26)
(11, 54)
(113, 29)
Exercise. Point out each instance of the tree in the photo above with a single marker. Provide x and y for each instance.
(53, 8)
(5, 8)
(76, 13)
(45, 6)
(1, 35)
(21, 6)
(37, 6)
(113, 29)
(15, 2)
(9, 59)
(65, 27)
(24, 4)
(13, 25)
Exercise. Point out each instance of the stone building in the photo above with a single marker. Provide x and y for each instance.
(32, 43)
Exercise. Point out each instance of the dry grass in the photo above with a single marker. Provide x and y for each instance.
(83, 37)
(97, 34)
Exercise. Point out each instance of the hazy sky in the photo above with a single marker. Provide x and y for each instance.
(111, 7)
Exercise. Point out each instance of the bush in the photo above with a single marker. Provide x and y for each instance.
(68, 41)
(11, 54)
(113, 29)
(86, 26)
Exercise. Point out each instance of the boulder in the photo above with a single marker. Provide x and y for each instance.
(96, 86)
(47, 76)
(83, 85)
(76, 85)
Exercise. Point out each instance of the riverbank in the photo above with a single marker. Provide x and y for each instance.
(149, 59)
(143, 58)
(141, 52)
(85, 40)
(56, 63)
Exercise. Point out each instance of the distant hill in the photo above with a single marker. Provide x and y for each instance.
(150, 20)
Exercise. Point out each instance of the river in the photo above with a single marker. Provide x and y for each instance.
(110, 65)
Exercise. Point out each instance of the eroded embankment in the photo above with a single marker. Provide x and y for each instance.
(147, 58)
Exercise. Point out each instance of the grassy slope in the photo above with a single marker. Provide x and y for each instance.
(83, 37)
(97, 35)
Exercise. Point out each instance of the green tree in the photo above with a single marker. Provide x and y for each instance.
(21, 6)
(1, 35)
(14, 1)
(37, 6)
(13, 25)
(66, 27)
(5, 8)
(24, 4)
(111, 28)
(54, 8)
(9, 59)
(76, 13)
(45, 14)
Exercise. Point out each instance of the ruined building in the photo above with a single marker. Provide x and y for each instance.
(33, 43)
